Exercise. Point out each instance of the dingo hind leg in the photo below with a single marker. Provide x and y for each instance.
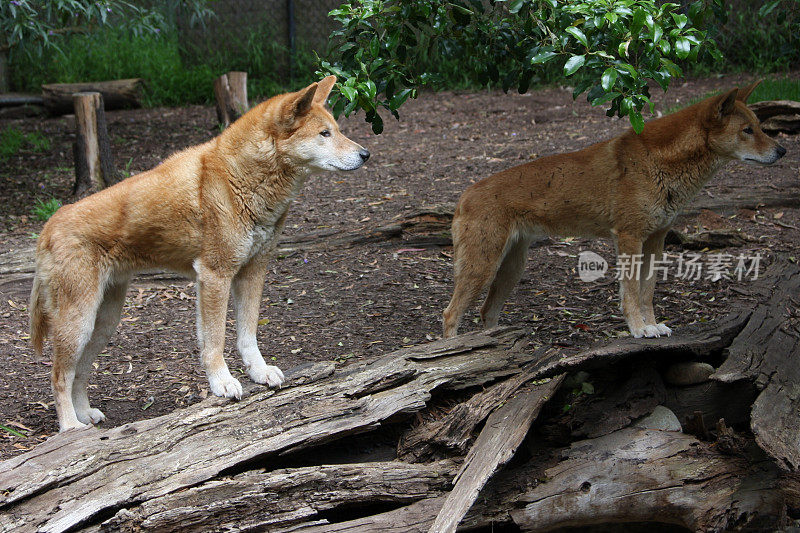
(477, 253)
(507, 277)
(77, 296)
(652, 251)
(105, 323)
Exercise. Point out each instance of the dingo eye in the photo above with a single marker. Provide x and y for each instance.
(325, 133)
(748, 130)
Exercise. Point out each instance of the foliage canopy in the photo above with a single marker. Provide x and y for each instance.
(612, 48)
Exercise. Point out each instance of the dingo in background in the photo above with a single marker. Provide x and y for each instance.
(629, 188)
(213, 212)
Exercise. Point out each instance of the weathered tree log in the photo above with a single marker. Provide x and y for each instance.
(269, 500)
(94, 163)
(117, 94)
(78, 476)
(230, 92)
(636, 475)
(765, 352)
(772, 108)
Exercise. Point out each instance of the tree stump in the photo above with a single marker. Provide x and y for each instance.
(94, 164)
(230, 91)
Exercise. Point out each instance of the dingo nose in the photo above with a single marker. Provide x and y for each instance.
(365, 154)
(781, 151)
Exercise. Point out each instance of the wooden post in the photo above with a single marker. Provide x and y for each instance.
(94, 164)
(230, 91)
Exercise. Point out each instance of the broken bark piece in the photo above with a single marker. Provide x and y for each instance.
(453, 432)
(637, 475)
(504, 430)
(117, 94)
(712, 239)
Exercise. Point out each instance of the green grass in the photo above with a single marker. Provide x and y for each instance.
(12, 141)
(783, 88)
(160, 59)
(44, 209)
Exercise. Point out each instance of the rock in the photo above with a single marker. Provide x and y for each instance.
(688, 373)
(661, 419)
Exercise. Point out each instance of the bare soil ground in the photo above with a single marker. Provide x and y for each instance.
(358, 303)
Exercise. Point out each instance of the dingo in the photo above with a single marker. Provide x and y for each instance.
(213, 212)
(629, 188)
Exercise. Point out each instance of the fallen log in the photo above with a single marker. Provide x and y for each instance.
(636, 475)
(91, 472)
(164, 473)
(117, 94)
(767, 109)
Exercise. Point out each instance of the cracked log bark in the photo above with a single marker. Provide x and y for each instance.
(766, 352)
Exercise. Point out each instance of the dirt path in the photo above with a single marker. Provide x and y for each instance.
(344, 305)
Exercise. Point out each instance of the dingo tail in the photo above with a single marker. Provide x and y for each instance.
(38, 315)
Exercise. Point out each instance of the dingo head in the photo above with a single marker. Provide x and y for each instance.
(311, 136)
(735, 131)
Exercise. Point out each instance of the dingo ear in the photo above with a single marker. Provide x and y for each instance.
(744, 93)
(300, 104)
(726, 103)
(324, 89)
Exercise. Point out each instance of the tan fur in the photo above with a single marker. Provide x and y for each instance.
(212, 212)
(629, 188)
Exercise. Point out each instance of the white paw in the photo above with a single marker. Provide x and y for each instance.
(91, 416)
(651, 331)
(264, 373)
(636, 333)
(225, 385)
(664, 330)
(65, 426)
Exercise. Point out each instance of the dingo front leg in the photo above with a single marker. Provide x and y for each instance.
(629, 262)
(247, 288)
(213, 289)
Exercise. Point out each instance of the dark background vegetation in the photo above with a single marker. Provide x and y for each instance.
(278, 49)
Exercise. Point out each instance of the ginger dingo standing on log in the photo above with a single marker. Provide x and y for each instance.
(629, 188)
(213, 212)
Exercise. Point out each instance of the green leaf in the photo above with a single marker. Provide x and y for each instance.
(514, 6)
(682, 47)
(578, 34)
(609, 78)
(543, 57)
(639, 17)
(573, 64)
(636, 120)
(377, 124)
(350, 93)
